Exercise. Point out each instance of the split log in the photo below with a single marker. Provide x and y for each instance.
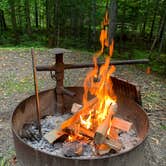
(121, 124)
(103, 128)
(101, 132)
(75, 108)
(113, 134)
(86, 132)
(81, 130)
(103, 149)
(114, 144)
(54, 135)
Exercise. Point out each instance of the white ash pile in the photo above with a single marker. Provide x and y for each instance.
(69, 149)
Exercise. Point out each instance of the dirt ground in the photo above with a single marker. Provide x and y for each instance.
(17, 84)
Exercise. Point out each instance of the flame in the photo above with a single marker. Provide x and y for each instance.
(102, 89)
(97, 83)
(86, 123)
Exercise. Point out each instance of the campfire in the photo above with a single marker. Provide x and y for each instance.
(95, 122)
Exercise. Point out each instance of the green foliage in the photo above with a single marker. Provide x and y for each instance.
(11, 85)
(76, 24)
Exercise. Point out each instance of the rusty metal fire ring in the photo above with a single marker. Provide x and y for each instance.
(28, 156)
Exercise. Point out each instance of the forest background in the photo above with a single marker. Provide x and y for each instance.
(76, 24)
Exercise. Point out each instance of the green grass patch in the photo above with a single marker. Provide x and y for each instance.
(163, 127)
(5, 159)
(10, 85)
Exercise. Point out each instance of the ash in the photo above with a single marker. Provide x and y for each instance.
(48, 123)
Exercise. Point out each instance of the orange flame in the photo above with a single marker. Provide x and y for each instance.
(97, 83)
(102, 89)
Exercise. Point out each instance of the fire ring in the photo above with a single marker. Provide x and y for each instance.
(25, 113)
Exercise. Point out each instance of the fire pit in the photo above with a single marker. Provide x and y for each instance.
(60, 100)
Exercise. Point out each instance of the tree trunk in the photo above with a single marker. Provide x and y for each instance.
(94, 23)
(55, 39)
(162, 40)
(13, 20)
(159, 35)
(122, 35)
(3, 26)
(48, 15)
(27, 15)
(153, 20)
(112, 20)
(36, 15)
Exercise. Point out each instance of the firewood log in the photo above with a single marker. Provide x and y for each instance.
(121, 124)
(81, 130)
(103, 128)
(75, 108)
(114, 144)
(103, 149)
(54, 135)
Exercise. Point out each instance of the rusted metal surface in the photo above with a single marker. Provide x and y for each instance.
(59, 76)
(36, 90)
(126, 89)
(28, 156)
(77, 66)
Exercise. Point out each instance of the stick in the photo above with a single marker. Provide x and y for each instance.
(36, 90)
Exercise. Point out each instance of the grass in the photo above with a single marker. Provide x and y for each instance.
(10, 85)
(163, 127)
(158, 65)
(6, 160)
(22, 48)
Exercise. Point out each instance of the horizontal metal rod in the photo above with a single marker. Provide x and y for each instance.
(77, 66)
(68, 92)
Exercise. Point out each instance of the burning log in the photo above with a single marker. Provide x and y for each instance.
(116, 122)
(81, 130)
(101, 132)
(76, 116)
(114, 144)
(103, 149)
(103, 128)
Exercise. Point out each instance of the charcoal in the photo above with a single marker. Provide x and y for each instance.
(72, 149)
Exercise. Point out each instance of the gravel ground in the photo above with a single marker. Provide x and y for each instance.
(17, 84)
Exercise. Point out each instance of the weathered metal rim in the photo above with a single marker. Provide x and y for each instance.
(79, 158)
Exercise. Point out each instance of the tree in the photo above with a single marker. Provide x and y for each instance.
(112, 20)
(13, 20)
(3, 25)
(36, 14)
(27, 15)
